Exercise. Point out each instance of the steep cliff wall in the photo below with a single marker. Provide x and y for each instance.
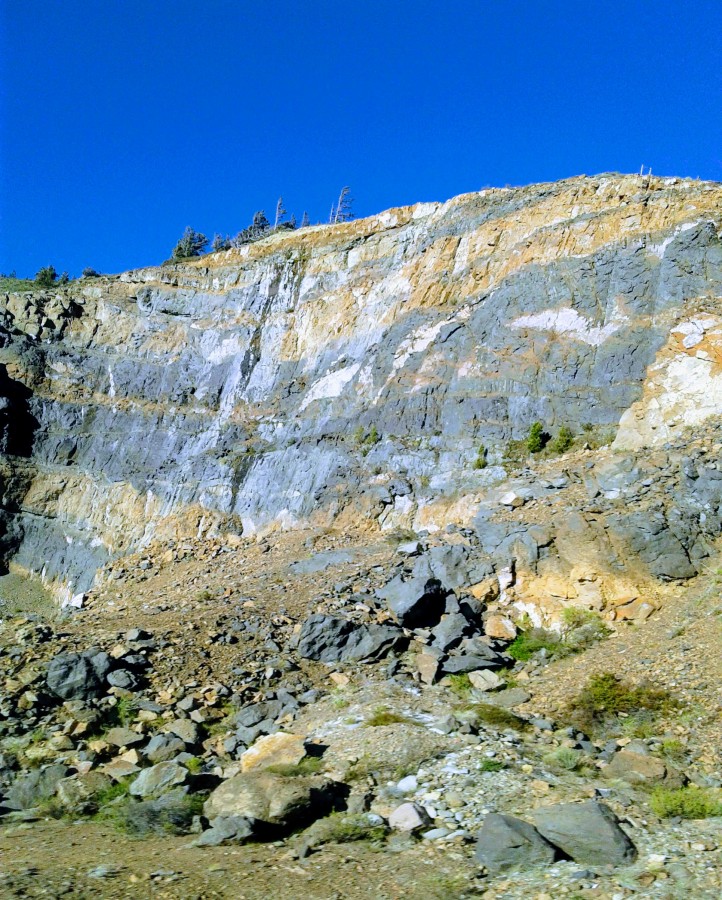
(351, 372)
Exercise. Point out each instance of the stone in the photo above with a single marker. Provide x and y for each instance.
(78, 676)
(510, 698)
(450, 631)
(427, 665)
(408, 817)
(273, 799)
(122, 678)
(415, 602)
(118, 769)
(506, 843)
(500, 627)
(170, 814)
(123, 737)
(456, 665)
(185, 729)
(278, 749)
(332, 640)
(588, 832)
(510, 498)
(226, 830)
(162, 747)
(638, 768)
(408, 784)
(485, 680)
(76, 792)
(158, 779)
(35, 787)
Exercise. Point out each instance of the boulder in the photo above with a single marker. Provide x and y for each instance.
(170, 814)
(162, 747)
(278, 749)
(123, 737)
(158, 779)
(78, 676)
(500, 627)
(450, 631)
(415, 602)
(272, 799)
(485, 680)
(588, 832)
(226, 830)
(332, 640)
(641, 768)
(34, 788)
(505, 843)
(408, 817)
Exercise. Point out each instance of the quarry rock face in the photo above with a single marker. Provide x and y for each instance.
(351, 373)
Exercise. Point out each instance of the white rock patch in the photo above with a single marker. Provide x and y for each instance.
(568, 321)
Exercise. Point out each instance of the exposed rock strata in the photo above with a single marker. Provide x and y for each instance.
(226, 393)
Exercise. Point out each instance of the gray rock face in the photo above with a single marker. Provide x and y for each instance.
(506, 843)
(332, 640)
(163, 747)
(588, 832)
(78, 676)
(237, 381)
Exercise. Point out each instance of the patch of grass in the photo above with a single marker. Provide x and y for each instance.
(10, 284)
(606, 695)
(111, 794)
(672, 749)
(490, 765)
(527, 643)
(383, 716)
(496, 716)
(443, 885)
(688, 802)
(459, 685)
(194, 765)
(564, 758)
(344, 828)
(310, 765)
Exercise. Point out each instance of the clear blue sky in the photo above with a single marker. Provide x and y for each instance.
(122, 121)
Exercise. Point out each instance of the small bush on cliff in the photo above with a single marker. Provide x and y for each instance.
(481, 462)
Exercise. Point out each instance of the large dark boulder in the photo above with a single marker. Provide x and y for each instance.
(588, 832)
(78, 676)
(331, 640)
(416, 602)
(35, 787)
(507, 843)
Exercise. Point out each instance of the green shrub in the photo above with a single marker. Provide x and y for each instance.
(606, 695)
(458, 684)
(537, 438)
(564, 758)
(688, 802)
(490, 765)
(563, 441)
(343, 828)
(46, 277)
(383, 716)
(527, 643)
(481, 462)
(496, 716)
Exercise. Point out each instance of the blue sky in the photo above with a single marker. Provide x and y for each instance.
(122, 121)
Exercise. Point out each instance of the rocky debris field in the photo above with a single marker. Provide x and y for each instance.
(315, 715)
